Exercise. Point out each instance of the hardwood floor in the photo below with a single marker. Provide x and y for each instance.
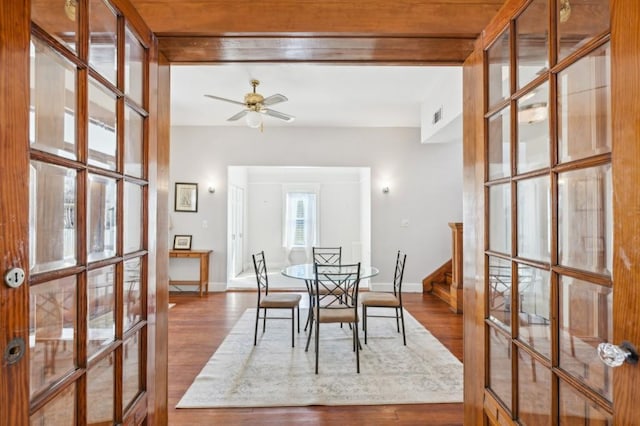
(197, 326)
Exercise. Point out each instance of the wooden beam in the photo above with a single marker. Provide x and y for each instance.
(389, 50)
(224, 17)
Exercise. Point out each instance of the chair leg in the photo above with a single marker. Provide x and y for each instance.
(306, 349)
(298, 309)
(357, 346)
(293, 328)
(264, 319)
(404, 337)
(255, 334)
(397, 321)
(309, 289)
(364, 323)
(317, 343)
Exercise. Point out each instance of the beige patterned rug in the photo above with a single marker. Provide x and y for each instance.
(274, 374)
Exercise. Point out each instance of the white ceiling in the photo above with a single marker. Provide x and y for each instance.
(319, 95)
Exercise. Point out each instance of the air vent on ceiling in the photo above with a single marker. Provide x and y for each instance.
(437, 116)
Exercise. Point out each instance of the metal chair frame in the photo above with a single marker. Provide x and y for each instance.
(342, 284)
(262, 278)
(397, 292)
(323, 256)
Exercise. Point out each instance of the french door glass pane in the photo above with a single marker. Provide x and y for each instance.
(133, 67)
(52, 217)
(585, 219)
(103, 25)
(534, 313)
(52, 331)
(133, 139)
(532, 39)
(132, 292)
(499, 142)
(100, 308)
(100, 392)
(584, 107)
(102, 126)
(52, 114)
(576, 410)
(500, 291)
(101, 217)
(132, 217)
(579, 22)
(61, 22)
(534, 218)
(500, 366)
(534, 383)
(586, 320)
(61, 411)
(500, 218)
(533, 129)
(131, 369)
(499, 72)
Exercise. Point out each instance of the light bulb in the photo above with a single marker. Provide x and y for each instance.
(254, 119)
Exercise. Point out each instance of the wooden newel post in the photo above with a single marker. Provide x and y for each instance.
(456, 259)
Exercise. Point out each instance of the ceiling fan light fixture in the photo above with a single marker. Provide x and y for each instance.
(254, 119)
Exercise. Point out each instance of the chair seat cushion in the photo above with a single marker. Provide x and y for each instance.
(373, 298)
(280, 301)
(328, 315)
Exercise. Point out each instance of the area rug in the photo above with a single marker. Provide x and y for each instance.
(272, 373)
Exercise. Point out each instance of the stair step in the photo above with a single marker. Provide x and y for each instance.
(441, 291)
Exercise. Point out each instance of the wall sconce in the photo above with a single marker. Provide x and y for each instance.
(211, 190)
(385, 189)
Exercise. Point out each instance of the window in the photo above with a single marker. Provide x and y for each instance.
(300, 227)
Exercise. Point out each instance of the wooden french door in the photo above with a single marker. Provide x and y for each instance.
(75, 213)
(558, 162)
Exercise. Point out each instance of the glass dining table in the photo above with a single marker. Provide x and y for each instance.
(306, 272)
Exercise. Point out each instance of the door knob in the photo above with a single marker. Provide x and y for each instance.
(615, 356)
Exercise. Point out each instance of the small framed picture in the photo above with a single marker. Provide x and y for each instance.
(182, 242)
(186, 197)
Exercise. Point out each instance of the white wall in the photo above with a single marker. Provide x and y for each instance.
(425, 184)
(339, 212)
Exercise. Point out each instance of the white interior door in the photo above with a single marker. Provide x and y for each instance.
(237, 229)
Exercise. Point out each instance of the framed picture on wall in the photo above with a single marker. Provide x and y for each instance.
(182, 242)
(186, 197)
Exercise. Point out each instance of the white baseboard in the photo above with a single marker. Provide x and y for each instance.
(213, 287)
(406, 287)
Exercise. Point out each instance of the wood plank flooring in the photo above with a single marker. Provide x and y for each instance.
(197, 326)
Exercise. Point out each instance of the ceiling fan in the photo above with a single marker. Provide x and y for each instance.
(256, 105)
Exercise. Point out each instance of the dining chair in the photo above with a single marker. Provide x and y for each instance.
(268, 300)
(327, 255)
(337, 304)
(324, 256)
(375, 299)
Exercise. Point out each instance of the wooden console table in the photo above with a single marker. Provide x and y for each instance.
(203, 255)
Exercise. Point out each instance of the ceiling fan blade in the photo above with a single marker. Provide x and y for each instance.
(280, 115)
(225, 99)
(274, 99)
(238, 115)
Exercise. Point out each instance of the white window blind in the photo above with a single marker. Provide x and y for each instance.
(300, 228)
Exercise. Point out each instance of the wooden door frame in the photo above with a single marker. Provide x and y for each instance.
(625, 90)
(14, 195)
